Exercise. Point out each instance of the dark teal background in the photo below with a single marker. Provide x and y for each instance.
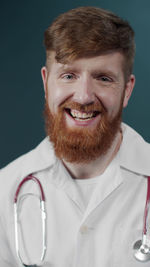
(22, 24)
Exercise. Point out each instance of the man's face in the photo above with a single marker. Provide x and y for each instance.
(84, 102)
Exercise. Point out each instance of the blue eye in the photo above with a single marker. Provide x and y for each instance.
(105, 79)
(68, 76)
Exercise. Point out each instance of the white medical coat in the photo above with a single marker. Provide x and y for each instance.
(100, 236)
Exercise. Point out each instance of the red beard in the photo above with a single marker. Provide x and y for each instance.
(81, 145)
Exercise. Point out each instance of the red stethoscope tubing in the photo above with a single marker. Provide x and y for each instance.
(43, 216)
(146, 206)
(33, 178)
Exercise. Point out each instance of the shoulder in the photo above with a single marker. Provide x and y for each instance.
(134, 151)
(35, 160)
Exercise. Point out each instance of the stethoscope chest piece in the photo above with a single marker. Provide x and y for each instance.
(141, 248)
(141, 252)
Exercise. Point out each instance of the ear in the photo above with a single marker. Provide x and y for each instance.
(128, 90)
(44, 74)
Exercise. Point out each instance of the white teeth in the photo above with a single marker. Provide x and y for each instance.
(79, 119)
(81, 115)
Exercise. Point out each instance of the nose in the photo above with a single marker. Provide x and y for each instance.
(84, 91)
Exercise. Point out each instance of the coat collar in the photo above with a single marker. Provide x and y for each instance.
(38, 159)
(133, 154)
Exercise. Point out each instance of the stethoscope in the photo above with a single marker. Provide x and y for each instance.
(141, 248)
(43, 217)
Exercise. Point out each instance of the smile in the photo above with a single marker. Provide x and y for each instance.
(82, 116)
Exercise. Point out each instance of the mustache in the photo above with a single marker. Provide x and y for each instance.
(82, 107)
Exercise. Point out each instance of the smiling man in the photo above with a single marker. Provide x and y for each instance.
(84, 102)
(91, 169)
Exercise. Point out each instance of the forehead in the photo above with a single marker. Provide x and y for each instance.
(113, 61)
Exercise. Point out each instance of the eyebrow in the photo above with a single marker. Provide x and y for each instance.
(67, 68)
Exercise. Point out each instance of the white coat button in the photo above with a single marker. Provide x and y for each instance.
(84, 229)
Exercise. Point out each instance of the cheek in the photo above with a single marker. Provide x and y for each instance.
(111, 100)
(56, 95)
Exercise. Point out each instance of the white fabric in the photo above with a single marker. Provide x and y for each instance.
(100, 235)
(87, 187)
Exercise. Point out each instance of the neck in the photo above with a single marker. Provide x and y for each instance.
(96, 167)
